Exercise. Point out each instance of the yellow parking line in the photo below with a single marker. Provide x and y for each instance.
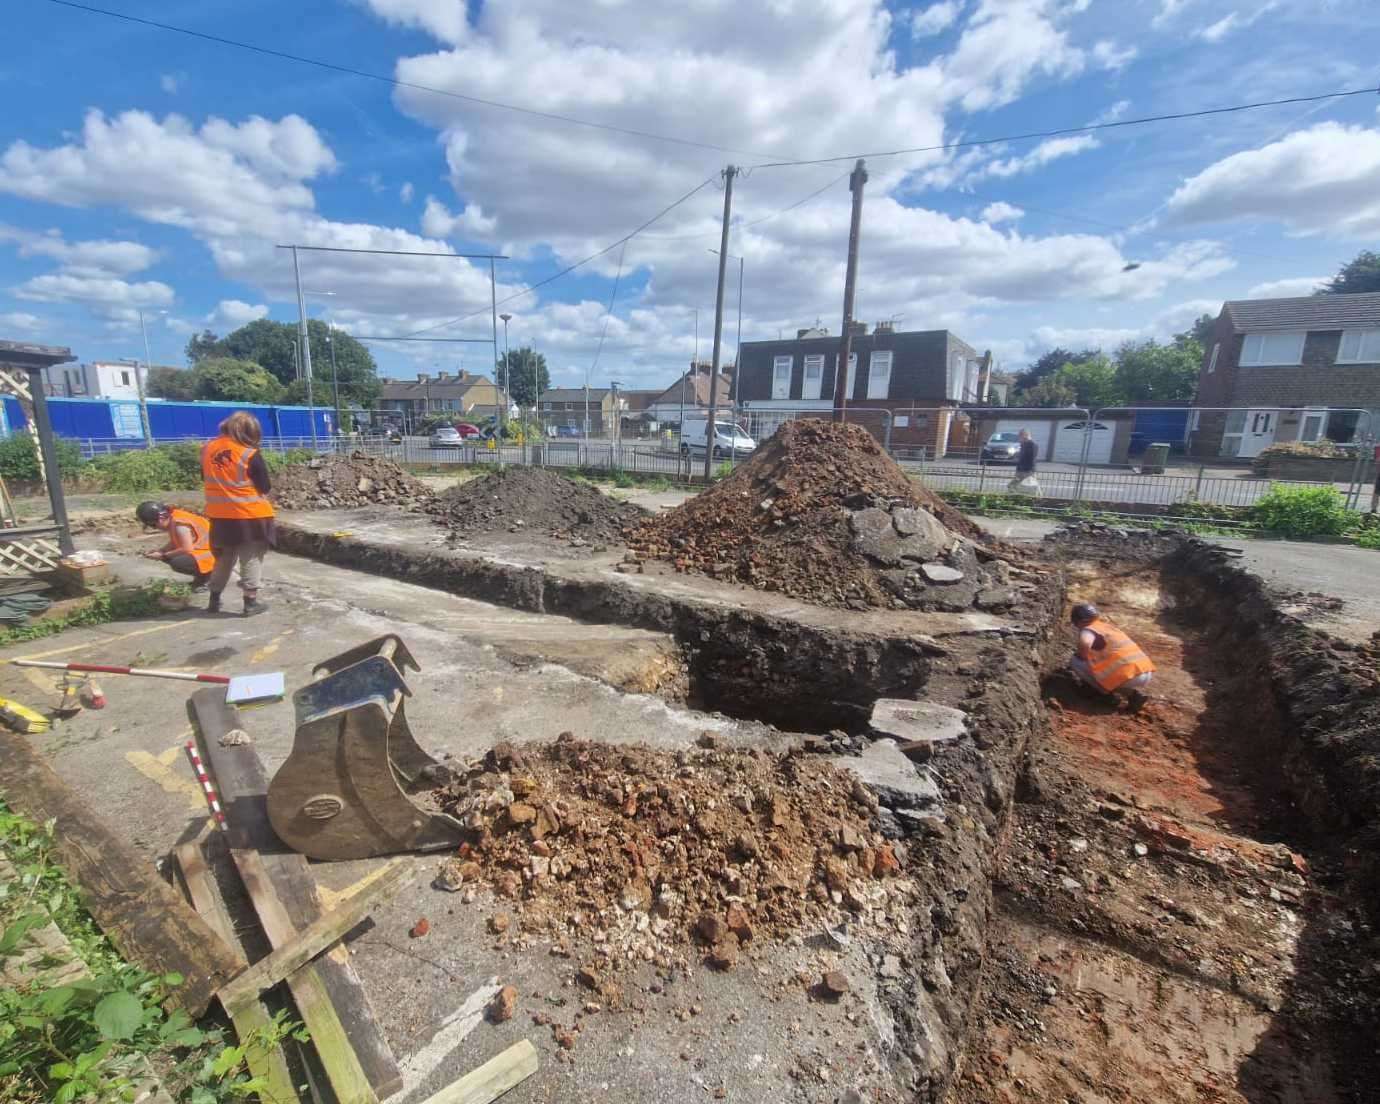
(159, 769)
(104, 642)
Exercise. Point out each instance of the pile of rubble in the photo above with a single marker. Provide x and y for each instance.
(328, 482)
(528, 499)
(663, 857)
(822, 513)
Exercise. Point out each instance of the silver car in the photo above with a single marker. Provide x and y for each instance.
(446, 437)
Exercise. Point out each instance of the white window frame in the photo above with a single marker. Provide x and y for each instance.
(781, 389)
(810, 387)
(1212, 360)
(1320, 433)
(852, 376)
(1367, 340)
(877, 359)
(954, 377)
(1253, 354)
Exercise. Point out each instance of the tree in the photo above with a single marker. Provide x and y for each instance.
(1147, 371)
(1093, 382)
(522, 363)
(295, 393)
(1048, 392)
(1201, 330)
(200, 346)
(273, 345)
(229, 380)
(1361, 273)
(1046, 366)
(177, 384)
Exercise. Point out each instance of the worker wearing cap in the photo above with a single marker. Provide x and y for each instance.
(1107, 659)
(188, 551)
(235, 481)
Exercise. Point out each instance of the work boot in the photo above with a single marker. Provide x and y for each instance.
(199, 583)
(1137, 701)
(253, 606)
(213, 603)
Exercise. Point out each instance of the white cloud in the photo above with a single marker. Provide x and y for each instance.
(1162, 327)
(289, 149)
(1111, 114)
(171, 82)
(1232, 21)
(1288, 288)
(1322, 180)
(438, 222)
(231, 314)
(1108, 55)
(1001, 211)
(445, 19)
(21, 321)
(82, 258)
(406, 192)
(1051, 149)
(1004, 45)
(939, 17)
(1168, 10)
(97, 291)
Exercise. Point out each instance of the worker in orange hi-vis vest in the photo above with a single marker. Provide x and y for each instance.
(1107, 659)
(188, 551)
(235, 481)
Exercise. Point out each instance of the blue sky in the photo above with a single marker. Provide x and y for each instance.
(149, 170)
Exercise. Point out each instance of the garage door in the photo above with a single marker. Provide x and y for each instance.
(1038, 428)
(1068, 442)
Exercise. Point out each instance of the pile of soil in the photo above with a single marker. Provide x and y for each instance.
(822, 513)
(527, 498)
(326, 482)
(656, 857)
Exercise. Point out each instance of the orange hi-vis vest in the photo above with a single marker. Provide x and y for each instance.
(201, 538)
(230, 493)
(1120, 658)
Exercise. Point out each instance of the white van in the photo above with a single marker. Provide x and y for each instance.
(728, 438)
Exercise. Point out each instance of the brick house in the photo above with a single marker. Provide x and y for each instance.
(565, 406)
(1299, 369)
(465, 394)
(920, 377)
(690, 394)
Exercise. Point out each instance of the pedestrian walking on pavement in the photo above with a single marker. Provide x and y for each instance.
(1025, 480)
(235, 480)
(188, 551)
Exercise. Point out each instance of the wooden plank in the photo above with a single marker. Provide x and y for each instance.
(321, 933)
(243, 787)
(147, 920)
(269, 1064)
(491, 1080)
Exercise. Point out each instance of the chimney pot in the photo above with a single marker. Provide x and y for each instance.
(422, 377)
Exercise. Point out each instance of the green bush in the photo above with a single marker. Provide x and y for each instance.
(1302, 511)
(277, 461)
(187, 456)
(19, 458)
(140, 471)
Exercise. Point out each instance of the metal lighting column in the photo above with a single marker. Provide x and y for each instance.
(335, 379)
(139, 376)
(500, 415)
(53, 476)
(306, 343)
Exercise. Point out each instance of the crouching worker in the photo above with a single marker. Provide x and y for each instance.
(1107, 659)
(188, 551)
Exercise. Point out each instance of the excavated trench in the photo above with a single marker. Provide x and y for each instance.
(1185, 900)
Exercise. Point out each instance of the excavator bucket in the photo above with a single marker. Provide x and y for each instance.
(343, 793)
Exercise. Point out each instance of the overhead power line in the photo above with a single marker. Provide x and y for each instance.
(1064, 131)
(571, 268)
(383, 78)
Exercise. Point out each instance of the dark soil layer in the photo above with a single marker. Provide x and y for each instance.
(822, 513)
(327, 482)
(536, 499)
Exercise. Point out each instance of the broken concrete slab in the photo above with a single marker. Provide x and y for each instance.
(874, 536)
(918, 720)
(941, 573)
(896, 781)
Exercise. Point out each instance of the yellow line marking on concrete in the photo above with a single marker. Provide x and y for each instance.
(158, 769)
(44, 681)
(331, 899)
(269, 648)
(104, 642)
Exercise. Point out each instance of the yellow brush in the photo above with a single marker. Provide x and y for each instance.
(23, 719)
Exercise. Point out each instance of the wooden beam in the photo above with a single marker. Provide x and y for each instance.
(321, 933)
(147, 920)
(286, 899)
(491, 1080)
(270, 1064)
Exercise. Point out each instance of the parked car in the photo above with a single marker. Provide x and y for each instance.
(728, 438)
(467, 431)
(1001, 448)
(391, 434)
(445, 437)
(567, 431)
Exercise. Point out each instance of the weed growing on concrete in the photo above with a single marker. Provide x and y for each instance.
(115, 604)
(95, 1037)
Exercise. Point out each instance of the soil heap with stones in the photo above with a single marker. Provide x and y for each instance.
(822, 513)
(519, 499)
(654, 856)
(327, 482)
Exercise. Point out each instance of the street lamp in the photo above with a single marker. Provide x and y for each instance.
(507, 362)
(335, 379)
(139, 380)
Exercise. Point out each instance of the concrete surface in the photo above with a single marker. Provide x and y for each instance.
(752, 1034)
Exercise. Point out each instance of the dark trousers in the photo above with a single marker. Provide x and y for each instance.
(185, 564)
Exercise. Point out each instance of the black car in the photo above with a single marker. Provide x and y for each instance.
(1001, 448)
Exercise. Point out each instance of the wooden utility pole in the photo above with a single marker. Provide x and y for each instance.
(729, 173)
(856, 180)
